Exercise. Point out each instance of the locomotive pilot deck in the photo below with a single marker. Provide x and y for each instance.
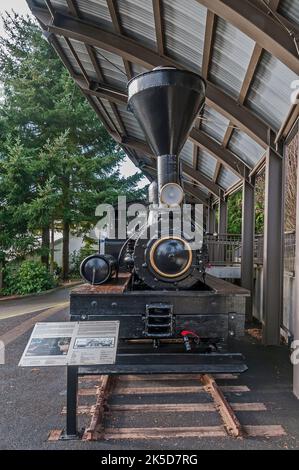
(216, 313)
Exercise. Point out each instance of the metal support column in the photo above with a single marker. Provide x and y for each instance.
(211, 220)
(222, 216)
(71, 402)
(247, 243)
(296, 313)
(222, 230)
(211, 229)
(273, 246)
(205, 218)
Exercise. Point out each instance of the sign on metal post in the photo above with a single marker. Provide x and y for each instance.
(71, 343)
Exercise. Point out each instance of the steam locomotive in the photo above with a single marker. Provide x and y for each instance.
(155, 282)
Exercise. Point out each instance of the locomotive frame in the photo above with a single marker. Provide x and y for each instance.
(218, 313)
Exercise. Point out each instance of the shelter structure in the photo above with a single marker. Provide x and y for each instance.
(248, 53)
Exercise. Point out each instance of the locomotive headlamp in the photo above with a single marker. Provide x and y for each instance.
(97, 269)
(171, 257)
(171, 194)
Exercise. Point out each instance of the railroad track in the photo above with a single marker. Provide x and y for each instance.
(104, 400)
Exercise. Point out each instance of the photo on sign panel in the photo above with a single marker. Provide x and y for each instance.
(49, 346)
(87, 343)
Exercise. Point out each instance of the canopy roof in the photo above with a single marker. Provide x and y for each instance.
(246, 50)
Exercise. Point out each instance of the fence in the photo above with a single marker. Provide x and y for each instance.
(225, 249)
(258, 252)
(289, 250)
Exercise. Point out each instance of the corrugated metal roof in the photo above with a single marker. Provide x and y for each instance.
(136, 69)
(96, 11)
(187, 153)
(113, 69)
(184, 24)
(111, 65)
(226, 178)
(111, 114)
(106, 111)
(245, 148)
(131, 125)
(230, 58)
(202, 188)
(195, 184)
(137, 20)
(214, 124)
(206, 163)
(60, 5)
(82, 54)
(289, 9)
(269, 96)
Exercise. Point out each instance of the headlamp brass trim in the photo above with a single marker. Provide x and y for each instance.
(155, 267)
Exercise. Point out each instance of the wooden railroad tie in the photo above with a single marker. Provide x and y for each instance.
(104, 386)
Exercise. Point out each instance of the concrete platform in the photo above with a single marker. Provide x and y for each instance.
(32, 401)
(225, 272)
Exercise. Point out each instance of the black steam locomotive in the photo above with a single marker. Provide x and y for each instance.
(154, 282)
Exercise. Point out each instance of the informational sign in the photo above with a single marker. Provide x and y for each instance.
(71, 343)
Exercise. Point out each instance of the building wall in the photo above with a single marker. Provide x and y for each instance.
(75, 244)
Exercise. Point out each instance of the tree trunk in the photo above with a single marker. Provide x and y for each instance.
(45, 246)
(65, 250)
(52, 249)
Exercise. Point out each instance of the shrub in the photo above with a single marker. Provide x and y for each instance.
(26, 278)
(10, 275)
(78, 256)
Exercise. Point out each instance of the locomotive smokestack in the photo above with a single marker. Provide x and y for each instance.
(165, 102)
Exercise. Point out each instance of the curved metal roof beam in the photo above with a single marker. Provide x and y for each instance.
(196, 175)
(259, 26)
(197, 193)
(130, 49)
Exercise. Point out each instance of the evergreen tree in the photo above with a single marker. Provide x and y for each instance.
(57, 161)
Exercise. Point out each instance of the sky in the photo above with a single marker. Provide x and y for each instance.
(20, 6)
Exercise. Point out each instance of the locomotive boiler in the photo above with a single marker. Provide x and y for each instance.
(154, 282)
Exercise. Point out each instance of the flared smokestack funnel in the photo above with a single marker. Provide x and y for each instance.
(166, 102)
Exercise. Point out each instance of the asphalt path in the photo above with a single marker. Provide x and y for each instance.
(31, 399)
(35, 303)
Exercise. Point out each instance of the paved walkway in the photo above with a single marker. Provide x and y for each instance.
(22, 306)
(32, 398)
